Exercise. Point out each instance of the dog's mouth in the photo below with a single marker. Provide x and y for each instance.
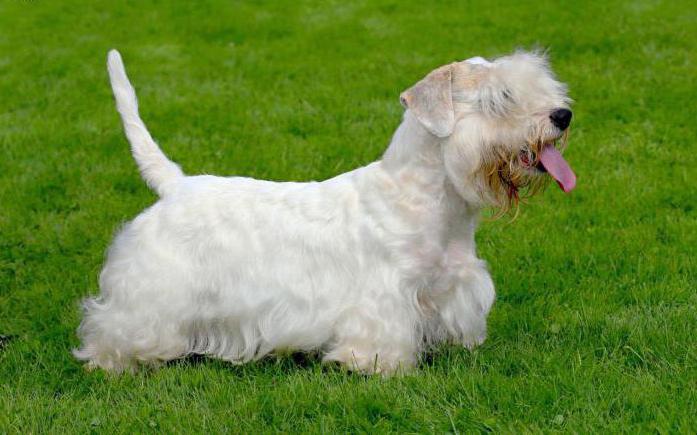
(546, 158)
(513, 176)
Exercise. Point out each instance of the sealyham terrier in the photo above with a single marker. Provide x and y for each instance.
(369, 268)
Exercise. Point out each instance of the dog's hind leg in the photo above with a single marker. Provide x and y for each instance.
(139, 316)
(118, 340)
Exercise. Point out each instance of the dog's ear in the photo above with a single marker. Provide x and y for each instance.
(431, 101)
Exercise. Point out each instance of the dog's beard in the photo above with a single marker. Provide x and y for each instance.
(512, 176)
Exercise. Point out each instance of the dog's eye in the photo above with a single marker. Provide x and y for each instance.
(496, 103)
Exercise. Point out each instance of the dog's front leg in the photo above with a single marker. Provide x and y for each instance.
(464, 306)
(376, 337)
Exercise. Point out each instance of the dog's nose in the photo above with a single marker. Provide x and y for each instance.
(561, 118)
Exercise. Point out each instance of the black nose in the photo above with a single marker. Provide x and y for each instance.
(561, 118)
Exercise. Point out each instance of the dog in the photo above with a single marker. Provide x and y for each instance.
(369, 268)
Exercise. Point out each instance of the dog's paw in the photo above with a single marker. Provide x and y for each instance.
(470, 342)
(370, 362)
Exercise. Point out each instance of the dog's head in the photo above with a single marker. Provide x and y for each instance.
(502, 124)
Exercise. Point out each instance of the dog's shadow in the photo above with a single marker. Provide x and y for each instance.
(285, 363)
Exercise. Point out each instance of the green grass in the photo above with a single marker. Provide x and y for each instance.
(595, 324)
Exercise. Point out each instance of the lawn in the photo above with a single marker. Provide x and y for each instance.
(595, 323)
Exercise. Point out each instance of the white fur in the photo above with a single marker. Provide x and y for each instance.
(478, 60)
(369, 267)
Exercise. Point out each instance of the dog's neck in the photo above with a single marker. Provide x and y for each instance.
(414, 150)
(415, 161)
(412, 145)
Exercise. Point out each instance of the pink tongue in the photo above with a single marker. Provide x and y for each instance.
(557, 167)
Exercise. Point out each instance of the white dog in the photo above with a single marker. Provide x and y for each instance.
(369, 267)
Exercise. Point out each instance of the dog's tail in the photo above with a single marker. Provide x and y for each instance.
(157, 170)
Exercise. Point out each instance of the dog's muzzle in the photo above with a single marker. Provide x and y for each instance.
(550, 161)
(561, 118)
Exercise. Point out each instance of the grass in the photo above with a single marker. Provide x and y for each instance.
(596, 316)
